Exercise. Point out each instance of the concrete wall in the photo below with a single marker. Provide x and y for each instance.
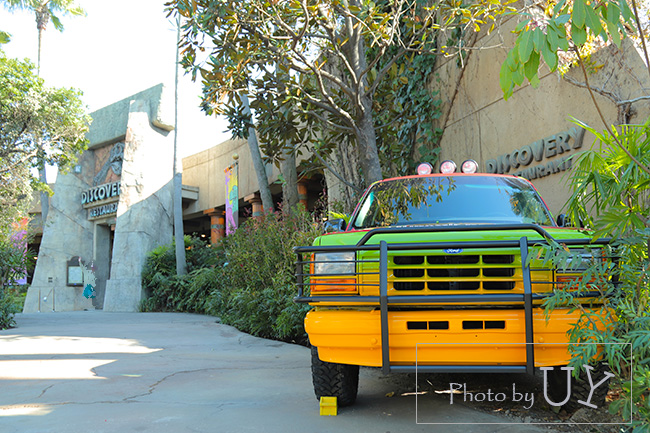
(479, 124)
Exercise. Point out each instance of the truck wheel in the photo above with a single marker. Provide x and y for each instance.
(580, 388)
(334, 380)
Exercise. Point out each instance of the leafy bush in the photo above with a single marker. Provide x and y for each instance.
(248, 280)
(611, 189)
(166, 291)
(14, 260)
(260, 274)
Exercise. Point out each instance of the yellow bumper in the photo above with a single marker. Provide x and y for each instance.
(471, 337)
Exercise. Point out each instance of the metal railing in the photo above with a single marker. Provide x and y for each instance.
(383, 301)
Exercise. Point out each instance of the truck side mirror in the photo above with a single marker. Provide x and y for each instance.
(564, 221)
(334, 225)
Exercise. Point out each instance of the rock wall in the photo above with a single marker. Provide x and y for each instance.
(145, 213)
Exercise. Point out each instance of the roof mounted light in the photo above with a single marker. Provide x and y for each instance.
(469, 166)
(447, 167)
(425, 168)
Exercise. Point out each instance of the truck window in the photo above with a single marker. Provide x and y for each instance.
(451, 200)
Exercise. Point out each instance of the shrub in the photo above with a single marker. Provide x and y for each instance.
(165, 291)
(14, 260)
(248, 280)
(260, 274)
(613, 184)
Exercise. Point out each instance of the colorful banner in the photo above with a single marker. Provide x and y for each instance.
(232, 198)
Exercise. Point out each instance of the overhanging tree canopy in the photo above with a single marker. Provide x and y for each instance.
(337, 53)
(34, 118)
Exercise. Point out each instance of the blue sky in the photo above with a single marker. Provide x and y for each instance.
(120, 48)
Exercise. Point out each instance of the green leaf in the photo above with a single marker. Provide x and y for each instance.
(534, 82)
(552, 38)
(4, 37)
(562, 19)
(531, 66)
(558, 7)
(593, 21)
(505, 77)
(625, 10)
(579, 13)
(525, 46)
(539, 39)
(517, 77)
(613, 14)
(522, 25)
(578, 34)
(550, 56)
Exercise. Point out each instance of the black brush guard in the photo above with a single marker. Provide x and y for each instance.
(523, 244)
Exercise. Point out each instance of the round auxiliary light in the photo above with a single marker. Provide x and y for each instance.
(447, 166)
(425, 168)
(469, 166)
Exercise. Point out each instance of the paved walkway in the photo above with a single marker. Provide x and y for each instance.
(157, 372)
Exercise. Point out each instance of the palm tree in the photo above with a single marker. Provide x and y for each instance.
(45, 11)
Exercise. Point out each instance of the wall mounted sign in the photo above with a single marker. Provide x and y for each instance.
(101, 192)
(547, 149)
(102, 211)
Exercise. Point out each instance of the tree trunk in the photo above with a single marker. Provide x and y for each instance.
(256, 156)
(367, 141)
(42, 176)
(364, 130)
(345, 161)
(290, 184)
(179, 239)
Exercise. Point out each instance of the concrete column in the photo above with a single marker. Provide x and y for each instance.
(256, 202)
(302, 193)
(217, 224)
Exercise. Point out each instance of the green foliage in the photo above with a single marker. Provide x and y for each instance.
(340, 71)
(260, 275)
(14, 261)
(248, 280)
(610, 194)
(35, 121)
(565, 26)
(167, 291)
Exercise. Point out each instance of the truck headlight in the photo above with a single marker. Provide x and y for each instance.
(340, 263)
(580, 260)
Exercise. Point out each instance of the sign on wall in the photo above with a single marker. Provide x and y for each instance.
(101, 201)
(232, 198)
(554, 153)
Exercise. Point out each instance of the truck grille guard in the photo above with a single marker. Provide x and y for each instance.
(383, 300)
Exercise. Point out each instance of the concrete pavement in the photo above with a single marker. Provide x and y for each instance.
(165, 372)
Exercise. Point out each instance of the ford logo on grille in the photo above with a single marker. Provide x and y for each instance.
(453, 250)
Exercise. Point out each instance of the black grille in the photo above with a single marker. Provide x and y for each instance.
(408, 273)
(408, 260)
(453, 285)
(406, 285)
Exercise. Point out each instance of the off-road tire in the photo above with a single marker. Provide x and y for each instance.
(579, 388)
(334, 380)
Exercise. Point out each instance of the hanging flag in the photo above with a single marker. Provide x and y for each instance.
(232, 198)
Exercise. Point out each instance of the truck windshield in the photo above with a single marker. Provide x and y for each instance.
(451, 200)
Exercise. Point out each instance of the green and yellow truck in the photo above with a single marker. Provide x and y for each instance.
(433, 273)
